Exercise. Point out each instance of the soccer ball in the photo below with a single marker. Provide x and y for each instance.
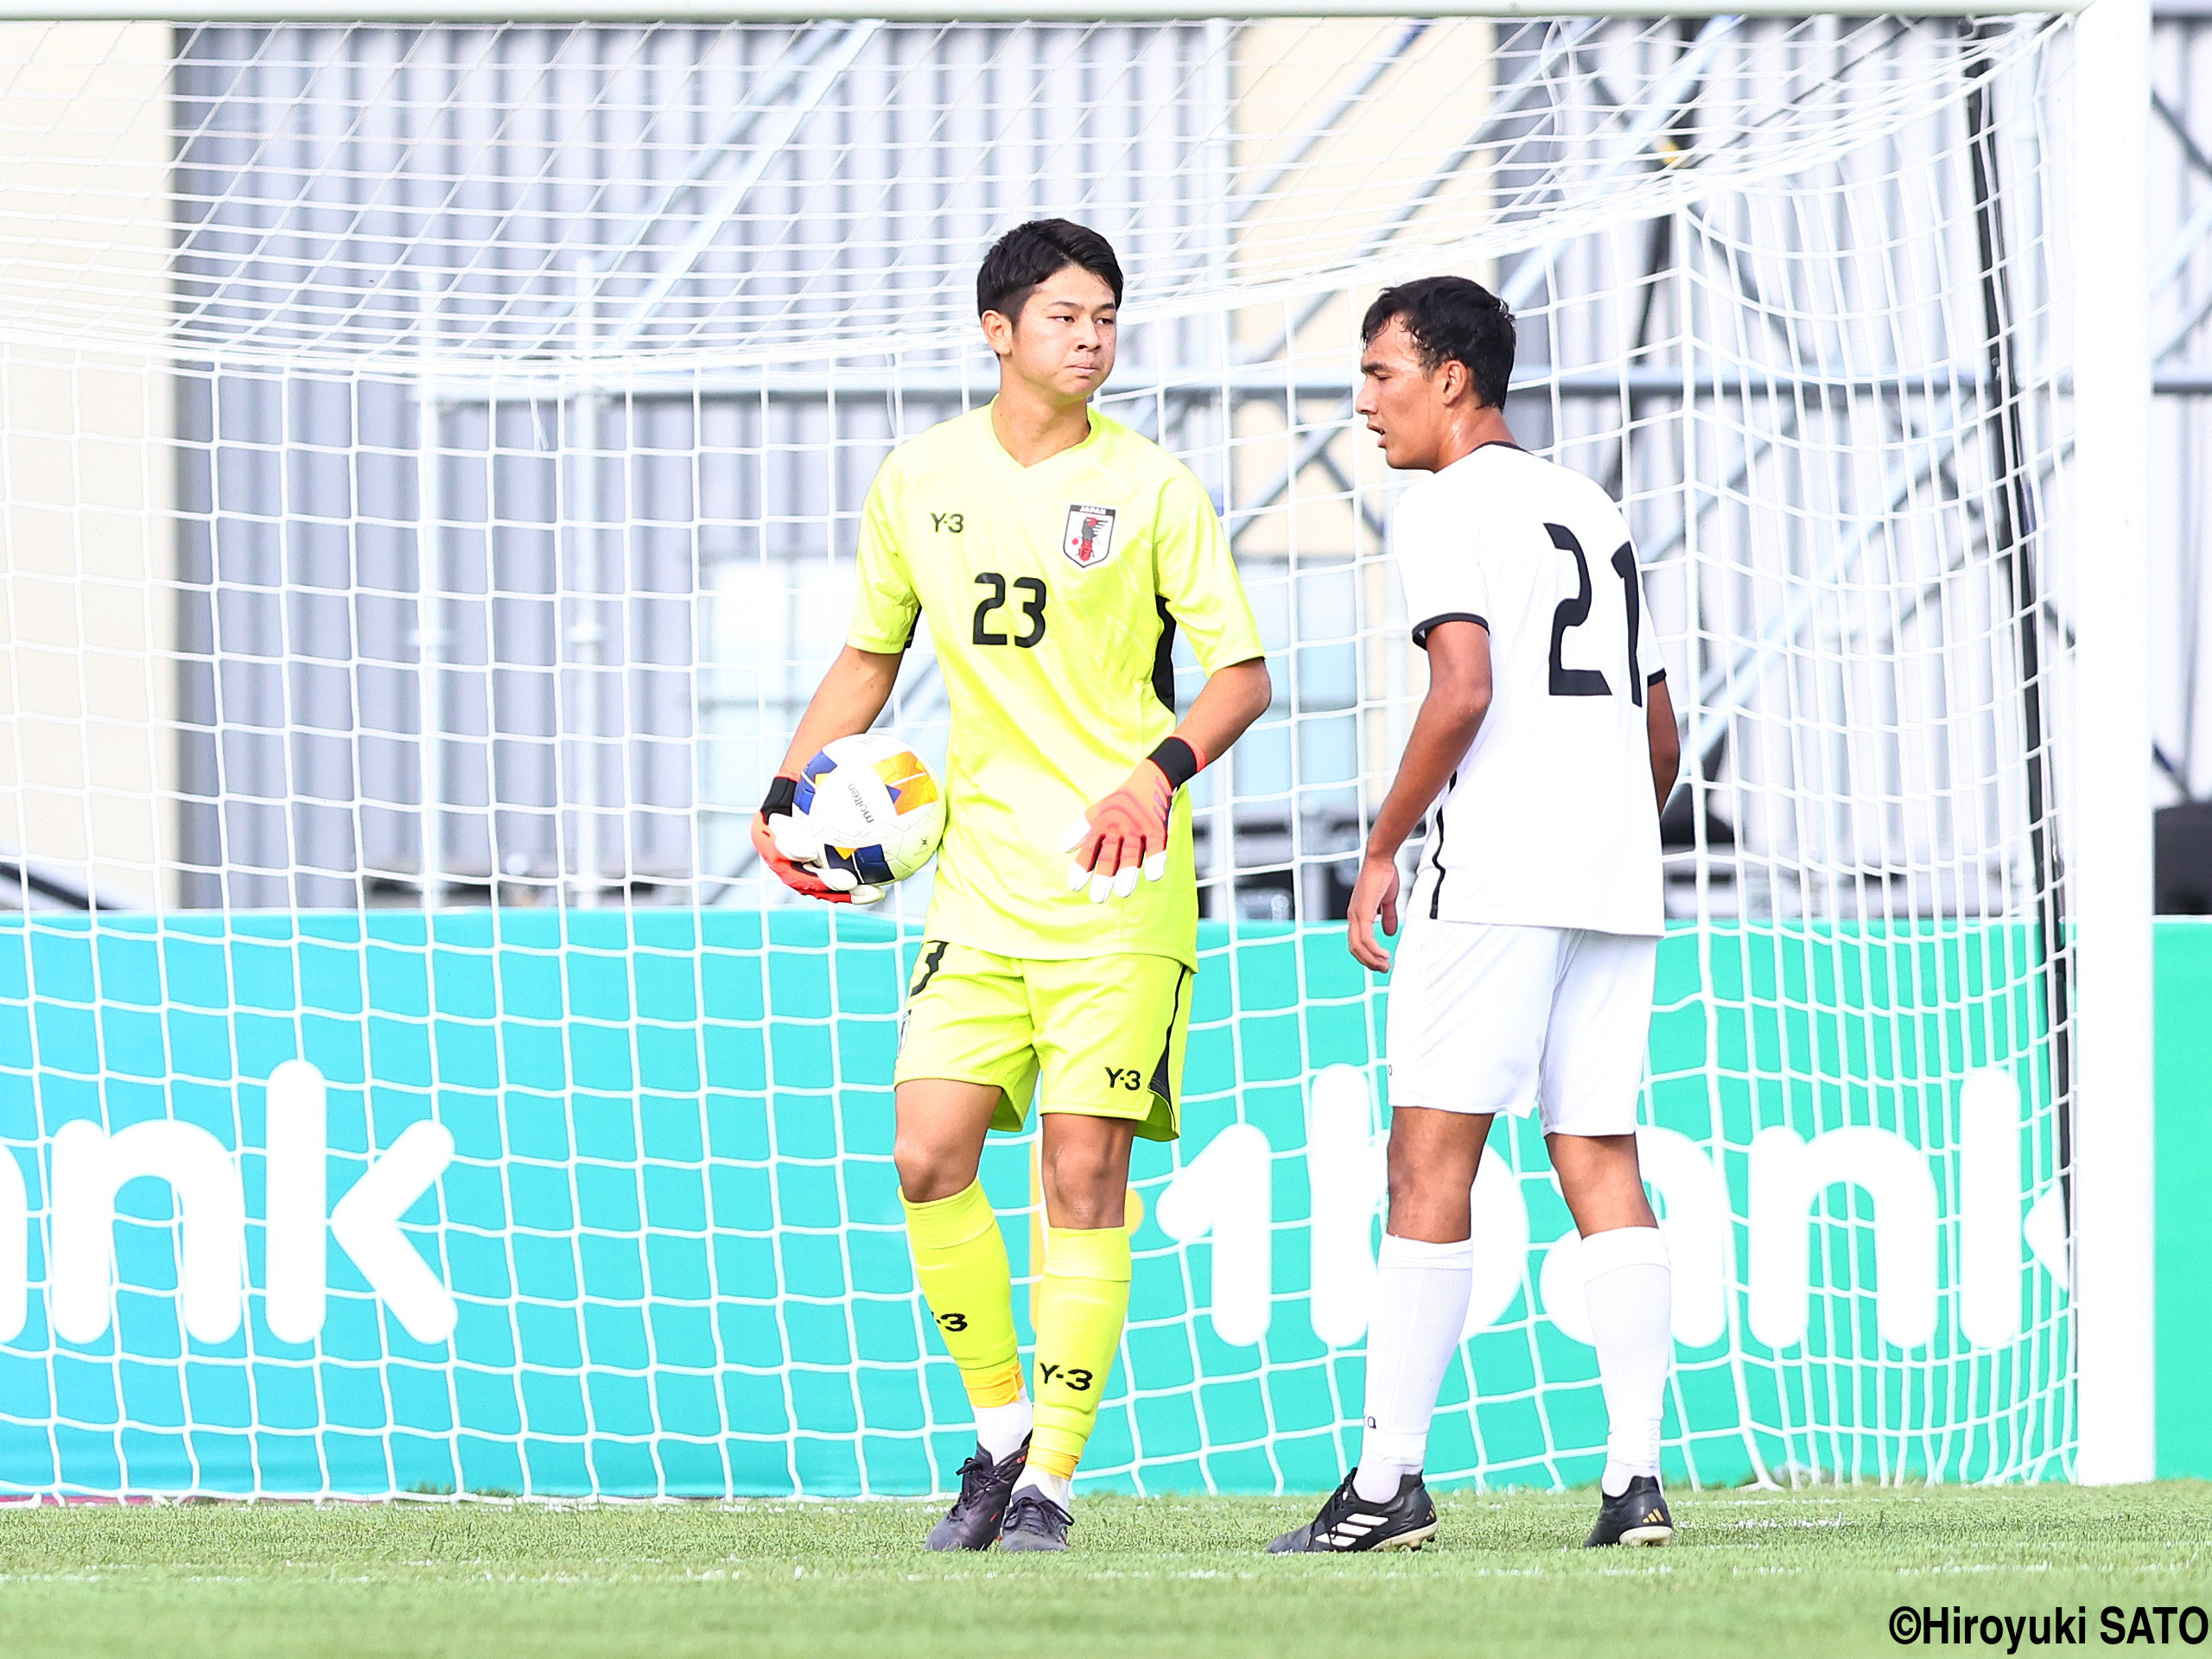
(874, 807)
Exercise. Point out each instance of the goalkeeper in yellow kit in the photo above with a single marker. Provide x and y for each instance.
(1056, 553)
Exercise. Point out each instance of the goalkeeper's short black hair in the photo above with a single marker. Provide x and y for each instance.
(1452, 320)
(1028, 254)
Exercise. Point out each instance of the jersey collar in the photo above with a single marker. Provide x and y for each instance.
(1089, 441)
(1487, 443)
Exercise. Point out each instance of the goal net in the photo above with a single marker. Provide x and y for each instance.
(429, 463)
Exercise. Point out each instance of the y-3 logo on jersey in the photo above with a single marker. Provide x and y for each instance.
(1089, 542)
(950, 522)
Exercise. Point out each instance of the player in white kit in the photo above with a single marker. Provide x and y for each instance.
(1546, 745)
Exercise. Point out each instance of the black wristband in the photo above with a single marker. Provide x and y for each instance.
(1178, 761)
(782, 796)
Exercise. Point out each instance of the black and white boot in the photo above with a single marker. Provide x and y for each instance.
(1349, 1521)
(1637, 1516)
(973, 1521)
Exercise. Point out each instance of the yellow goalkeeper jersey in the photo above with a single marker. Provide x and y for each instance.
(1054, 594)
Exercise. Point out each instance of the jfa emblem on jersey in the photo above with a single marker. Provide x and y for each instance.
(1089, 539)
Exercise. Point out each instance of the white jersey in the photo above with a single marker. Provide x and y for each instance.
(1549, 822)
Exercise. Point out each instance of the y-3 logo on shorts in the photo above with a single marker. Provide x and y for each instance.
(1123, 1076)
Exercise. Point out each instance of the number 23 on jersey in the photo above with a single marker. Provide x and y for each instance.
(991, 617)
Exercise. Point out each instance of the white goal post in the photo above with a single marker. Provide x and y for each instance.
(429, 440)
(2115, 1241)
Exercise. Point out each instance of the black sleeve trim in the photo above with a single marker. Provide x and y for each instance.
(1163, 656)
(1421, 629)
(1656, 676)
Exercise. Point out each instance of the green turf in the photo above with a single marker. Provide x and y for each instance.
(1763, 1573)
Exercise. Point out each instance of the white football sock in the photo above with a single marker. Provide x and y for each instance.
(1629, 1289)
(1058, 1488)
(1420, 1302)
(1001, 1429)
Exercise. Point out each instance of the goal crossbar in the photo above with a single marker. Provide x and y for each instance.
(927, 11)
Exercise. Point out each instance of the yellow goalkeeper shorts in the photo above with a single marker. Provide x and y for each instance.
(1100, 1036)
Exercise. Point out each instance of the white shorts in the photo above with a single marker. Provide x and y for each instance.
(1490, 1017)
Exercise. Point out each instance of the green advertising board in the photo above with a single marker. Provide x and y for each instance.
(602, 1202)
(2184, 1160)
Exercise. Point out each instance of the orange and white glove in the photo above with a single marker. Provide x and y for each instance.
(1127, 831)
(779, 837)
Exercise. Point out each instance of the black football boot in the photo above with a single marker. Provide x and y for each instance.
(1349, 1521)
(1034, 1521)
(1637, 1516)
(972, 1523)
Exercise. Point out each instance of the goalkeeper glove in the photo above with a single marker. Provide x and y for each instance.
(1127, 831)
(780, 835)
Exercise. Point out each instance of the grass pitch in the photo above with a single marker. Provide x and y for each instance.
(1767, 1572)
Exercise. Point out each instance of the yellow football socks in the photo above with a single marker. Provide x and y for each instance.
(1082, 1302)
(960, 1259)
